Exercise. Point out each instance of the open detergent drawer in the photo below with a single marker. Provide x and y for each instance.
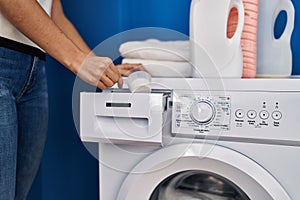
(121, 117)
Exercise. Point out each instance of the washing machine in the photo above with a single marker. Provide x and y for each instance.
(207, 139)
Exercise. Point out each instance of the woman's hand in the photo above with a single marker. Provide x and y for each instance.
(126, 68)
(100, 72)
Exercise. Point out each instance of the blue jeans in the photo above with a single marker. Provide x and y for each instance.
(23, 121)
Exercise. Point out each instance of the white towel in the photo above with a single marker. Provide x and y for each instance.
(153, 49)
(158, 68)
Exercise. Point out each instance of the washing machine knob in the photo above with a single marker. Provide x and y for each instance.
(202, 112)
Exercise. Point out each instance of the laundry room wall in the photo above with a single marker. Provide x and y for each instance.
(296, 39)
(68, 171)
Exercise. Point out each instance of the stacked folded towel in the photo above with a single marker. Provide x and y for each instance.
(159, 58)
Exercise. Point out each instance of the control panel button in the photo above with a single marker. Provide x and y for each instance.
(264, 114)
(202, 112)
(251, 114)
(239, 113)
(276, 115)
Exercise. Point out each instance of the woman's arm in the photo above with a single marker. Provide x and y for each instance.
(29, 17)
(58, 16)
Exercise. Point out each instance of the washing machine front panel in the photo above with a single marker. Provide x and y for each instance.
(241, 175)
(242, 117)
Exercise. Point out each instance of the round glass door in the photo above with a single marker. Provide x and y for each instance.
(200, 185)
(221, 174)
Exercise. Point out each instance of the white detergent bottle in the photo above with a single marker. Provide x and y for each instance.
(213, 54)
(274, 56)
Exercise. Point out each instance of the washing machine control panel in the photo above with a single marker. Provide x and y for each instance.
(242, 115)
(200, 112)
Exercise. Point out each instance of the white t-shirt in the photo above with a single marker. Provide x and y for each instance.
(7, 30)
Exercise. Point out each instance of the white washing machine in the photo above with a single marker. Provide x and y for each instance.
(212, 139)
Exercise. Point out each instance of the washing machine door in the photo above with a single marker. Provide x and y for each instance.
(202, 172)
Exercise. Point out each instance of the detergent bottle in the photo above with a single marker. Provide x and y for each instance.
(213, 54)
(274, 56)
(249, 35)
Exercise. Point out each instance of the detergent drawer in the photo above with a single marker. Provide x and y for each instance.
(122, 117)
